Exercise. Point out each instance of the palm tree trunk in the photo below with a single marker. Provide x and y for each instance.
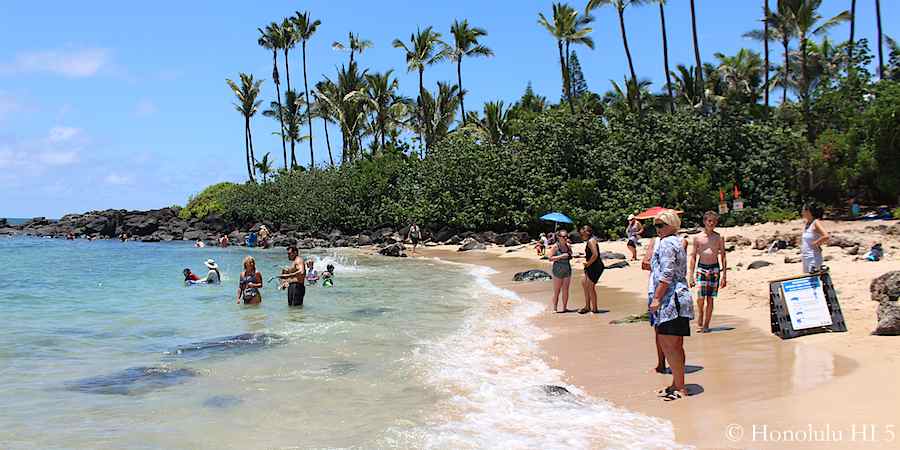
(247, 153)
(804, 92)
(280, 108)
(422, 106)
(565, 76)
(662, 21)
(250, 140)
(697, 60)
(628, 55)
(287, 69)
(852, 32)
(312, 158)
(462, 106)
(351, 57)
(383, 132)
(786, 70)
(766, 50)
(328, 141)
(880, 40)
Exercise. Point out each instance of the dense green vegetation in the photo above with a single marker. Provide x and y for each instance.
(597, 157)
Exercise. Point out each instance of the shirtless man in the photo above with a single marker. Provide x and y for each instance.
(709, 246)
(294, 276)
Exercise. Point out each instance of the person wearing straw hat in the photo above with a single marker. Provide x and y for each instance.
(633, 232)
(213, 276)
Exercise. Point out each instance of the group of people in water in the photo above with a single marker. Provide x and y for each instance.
(294, 278)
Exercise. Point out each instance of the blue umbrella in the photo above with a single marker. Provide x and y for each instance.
(557, 217)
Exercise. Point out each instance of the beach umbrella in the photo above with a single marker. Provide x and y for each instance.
(557, 218)
(652, 212)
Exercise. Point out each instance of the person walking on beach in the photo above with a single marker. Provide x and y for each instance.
(560, 255)
(814, 236)
(669, 297)
(250, 283)
(709, 275)
(294, 276)
(414, 236)
(593, 268)
(633, 232)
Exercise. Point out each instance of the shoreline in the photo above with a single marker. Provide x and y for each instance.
(749, 388)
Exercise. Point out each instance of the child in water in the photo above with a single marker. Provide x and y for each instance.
(327, 276)
(312, 277)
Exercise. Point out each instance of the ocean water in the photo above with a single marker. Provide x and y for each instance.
(103, 347)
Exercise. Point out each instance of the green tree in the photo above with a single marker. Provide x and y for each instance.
(292, 114)
(304, 29)
(698, 64)
(320, 109)
(880, 39)
(387, 107)
(435, 113)
(742, 75)
(264, 167)
(247, 104)
(567, 27)
(355, 44)
(496, 122)
(270, 39)
(665, 42)
(465, 43)
(346, 109)
(425, 48)
(579, 85)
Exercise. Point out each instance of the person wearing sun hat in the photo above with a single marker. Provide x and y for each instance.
(213, 276)
(633, 232)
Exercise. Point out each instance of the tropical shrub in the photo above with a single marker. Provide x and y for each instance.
(211, 201)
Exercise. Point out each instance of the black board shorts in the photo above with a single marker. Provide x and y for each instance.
(594, 271)
(679, 326)
(295, 294)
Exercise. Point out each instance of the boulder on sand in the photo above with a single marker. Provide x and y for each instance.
(792, 259)
(611, 255)
(471, 244)
(837, 240)
(885, 290)
(531, 275)
(617, 265)
(396, 250)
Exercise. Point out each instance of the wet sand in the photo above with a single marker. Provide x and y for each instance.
(750, 389)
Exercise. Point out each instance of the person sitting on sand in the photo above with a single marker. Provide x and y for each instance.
(709, 275)
(213, 276)
(669, 298)
(593, 268)
(633, 232)
(250, 283)
(312, 277)
(813, 238)
(560, 255)
(189, 276)
(414, 236)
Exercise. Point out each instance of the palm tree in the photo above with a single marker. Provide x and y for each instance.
(386, 105)
(354, 45)
(345, 108)
(741, 75)
(435, 114)
(567, 27)
(686, 87)
(264, 167)
(628, 100)
(778, 26)
(305, 28)
(292, 115)
(320, 109)
(496, 122)
(880, 40)
(852, 32)
(425, 48)
(465, 43)
(247, 104)
(665, 41)
(269, 39)
(697, 61)
(620, 9)
(806, 20)
(766, 50)
(287, 41)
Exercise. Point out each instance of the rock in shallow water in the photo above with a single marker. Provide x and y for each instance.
(133, 381)
(240, 343)
(555, 391)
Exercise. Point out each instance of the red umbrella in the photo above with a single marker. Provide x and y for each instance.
(652, 212)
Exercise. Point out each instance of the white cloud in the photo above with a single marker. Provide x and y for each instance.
(58, 158)
(74, 63)
(145, 108)
(62, 134)
(118, 180)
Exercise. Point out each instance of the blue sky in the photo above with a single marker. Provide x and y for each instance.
(124, 105)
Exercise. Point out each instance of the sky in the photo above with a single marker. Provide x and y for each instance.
(124, 104)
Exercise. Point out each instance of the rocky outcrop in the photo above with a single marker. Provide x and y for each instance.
(396, 250)
(758, 265)
(611, 255)
(617, 265)
(531, 275)
(471, 244)
(886, 290)
(837, 240)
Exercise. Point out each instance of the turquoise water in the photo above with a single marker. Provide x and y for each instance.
(104, 347)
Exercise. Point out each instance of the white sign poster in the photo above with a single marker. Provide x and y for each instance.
(737, 205)
(806, 302)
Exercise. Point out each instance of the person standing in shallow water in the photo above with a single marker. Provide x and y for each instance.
(669, 298)
(593, 268)
(709, 246)
(814, 237)
(250, 283)
(414, 236)
(560, 254)
(294, 276)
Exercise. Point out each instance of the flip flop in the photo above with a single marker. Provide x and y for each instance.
(583, 311)
(664, 391)
(672, 396)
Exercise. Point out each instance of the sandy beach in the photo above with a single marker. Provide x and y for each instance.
(750, 389)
